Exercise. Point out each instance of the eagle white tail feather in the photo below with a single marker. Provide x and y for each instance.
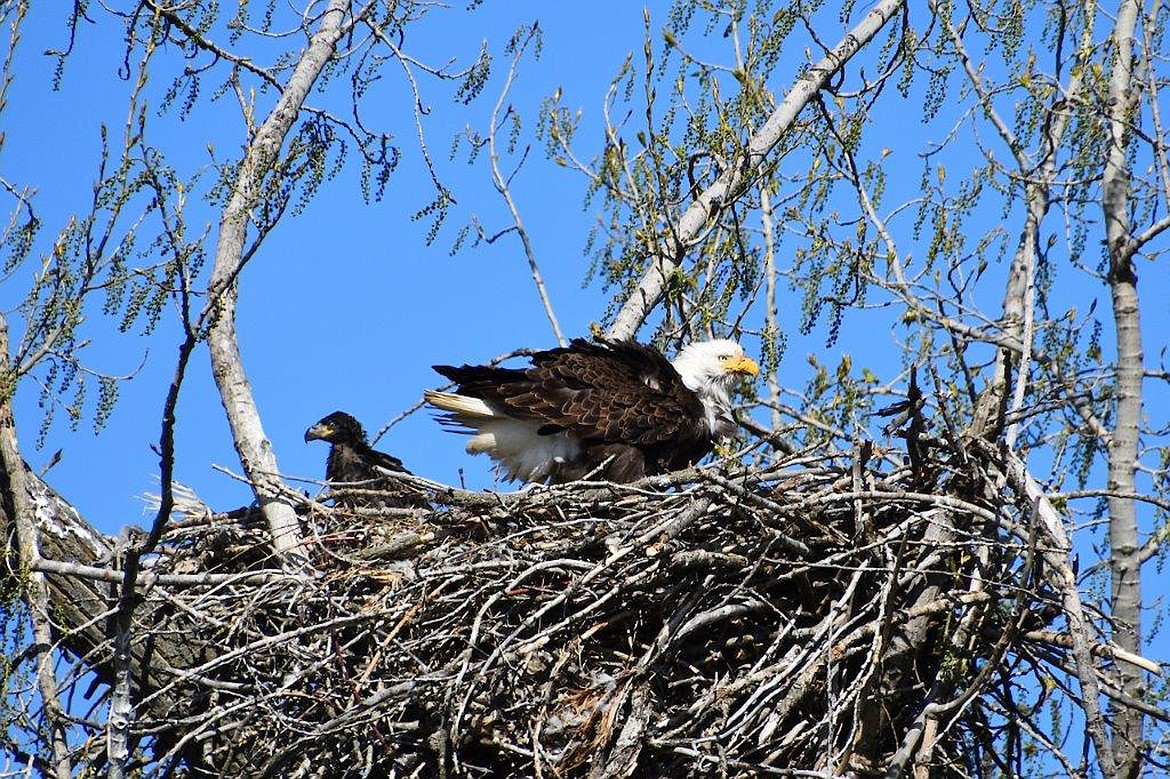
(514, 444)
(460, 404)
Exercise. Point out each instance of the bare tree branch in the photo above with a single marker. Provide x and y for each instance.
(741, 172)
(252, 445)
(1056, 557)
(19, 514)
(1124, 546)
(502, 185)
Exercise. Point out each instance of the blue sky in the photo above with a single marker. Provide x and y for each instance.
(346, 307)
(342, 270)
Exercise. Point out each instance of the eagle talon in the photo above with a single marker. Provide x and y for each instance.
(724, 451)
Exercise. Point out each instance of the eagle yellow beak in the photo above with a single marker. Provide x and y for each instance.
(745, 365)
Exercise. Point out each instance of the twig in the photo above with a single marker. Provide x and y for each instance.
(19, 514)
(502, 184)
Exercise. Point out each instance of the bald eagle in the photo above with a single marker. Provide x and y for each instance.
(353, 463)
(619, 408)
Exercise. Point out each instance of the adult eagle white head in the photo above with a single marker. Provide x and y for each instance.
(619, 408)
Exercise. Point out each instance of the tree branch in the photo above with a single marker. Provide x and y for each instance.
(1056, 555)
(1124, 565)
(252, 444)
(502, 186)
(741, 172)
(19, 514)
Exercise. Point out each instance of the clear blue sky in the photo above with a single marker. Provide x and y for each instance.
(345, 307)
(343, 271)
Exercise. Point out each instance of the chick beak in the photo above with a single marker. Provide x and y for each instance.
(317, 432)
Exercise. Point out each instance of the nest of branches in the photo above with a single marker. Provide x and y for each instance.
(834, 617)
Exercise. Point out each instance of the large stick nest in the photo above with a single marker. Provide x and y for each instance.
(720, 622)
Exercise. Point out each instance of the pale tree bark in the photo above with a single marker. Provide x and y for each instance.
(742, 171)
(771, 326)
(252, 444)
(1124, 563)
(40, 603)
(1057, 552)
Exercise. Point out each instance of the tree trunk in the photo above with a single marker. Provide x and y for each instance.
(18, 516)
(1123, 449)
(252, 444)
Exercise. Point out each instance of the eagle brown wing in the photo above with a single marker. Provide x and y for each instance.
(357, 462)
(354, 463)
(620, 392)
(617, 392)
(357, 465)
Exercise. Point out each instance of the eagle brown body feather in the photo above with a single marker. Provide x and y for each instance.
(622, 402)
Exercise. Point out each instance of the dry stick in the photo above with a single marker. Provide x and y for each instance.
(817, 649)
(1019, 299)
(697, 509)
(150, 579)
(122, 711)
(288, 637)
(1037, 198)
(623, 756)
(1100, 650)
(789, 543)
(834, 701)
(38, 590)
(849, 644)
(1149, 24)
(501, 185)
(252, 444)
(729, 689)
(1049, 747)
(864, 710)
(925, 727)
(740, 172)
(796, 686)
(672, 523)
(76, 596)
(570, 649)
(771, 327)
